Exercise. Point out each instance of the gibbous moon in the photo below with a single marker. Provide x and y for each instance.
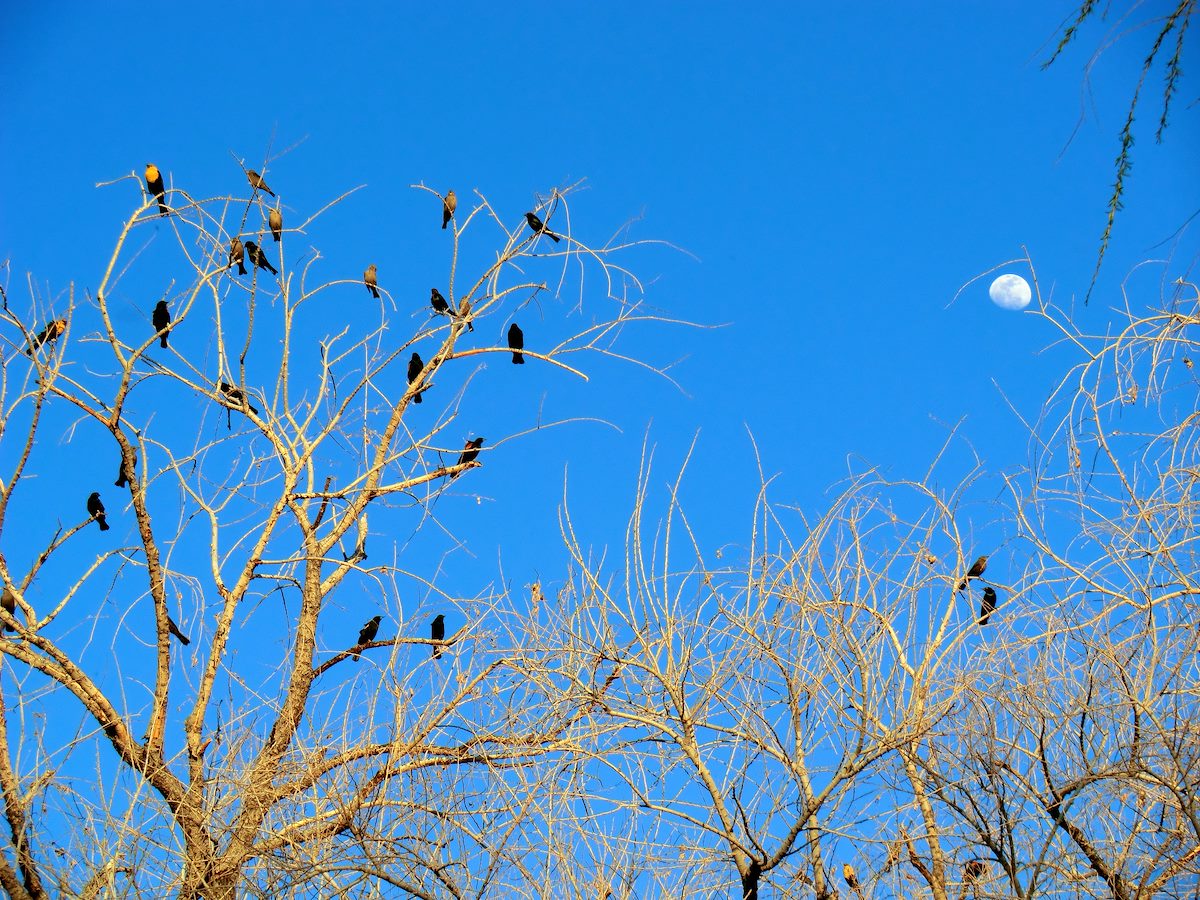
(1010, 292)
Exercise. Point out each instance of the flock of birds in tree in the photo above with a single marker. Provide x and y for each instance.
(239, 251)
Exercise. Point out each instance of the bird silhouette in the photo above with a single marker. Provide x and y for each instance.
(161, 319)
(236, 397)
(48, 335)
(124, 477)
(437, 632)
(539, 227)
(154, 184)
(449, 204)
(8, 600)
(367, 633)
(256, 182)
(96, 510)
(371, 280)
(259, 258)
(974, 572)
(438, 302)
(174, 629)
(415, 365)
(516, 343)
(988, 605)
(470, 452)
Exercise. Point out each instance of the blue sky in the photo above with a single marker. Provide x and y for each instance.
(835, 174)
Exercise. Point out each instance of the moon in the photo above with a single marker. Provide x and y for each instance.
(1010, 292)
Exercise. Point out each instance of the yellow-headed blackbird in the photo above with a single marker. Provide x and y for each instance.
(988, 606)
(259, 258)
(974, 572)
(275, 220)
(470, 452)
(154, 184)
(437, 631)
(161, 319)
(438, 302)
(851, 878)
(415, 365)
(516, 343)
(536, 224)
(367, 633)
(371, 280)
(123, 476)
(8, 600)
(174, 629)
(54, 328)
(235, 396)
(96, 510)
(256, 182)
(449, 204)
(237, 254)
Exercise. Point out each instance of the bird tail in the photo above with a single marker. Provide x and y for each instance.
(163, 342)
(163, 209)
(518, 359)
(103, 524)
(252, 409)
(962, 585)
(417, 398)
(554, 237)
(275, 234)
(444, 222)
(983, 620)
(437, 651)
(273, 270)
(375, 293)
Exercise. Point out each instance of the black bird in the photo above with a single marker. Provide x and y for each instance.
(437, 631)
(371, 280)
(259, 258)
(974, 572)
(49, 334)
(174, 629)
(974, 870)
(96, 510)
(154, 184)
(449, 204)
(275, 221)
(415, 365)
(989, 605)
(123, 477)
(235, 396)
(470, 451)
(257, 182)
(367, 632)
(438, 302)
(237, 254)
(161, 319)
(516, 343)
(8, 600)
(539, 228)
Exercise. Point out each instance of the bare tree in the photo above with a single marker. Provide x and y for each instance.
(400, 760)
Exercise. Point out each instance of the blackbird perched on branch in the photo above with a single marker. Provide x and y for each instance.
(275, 221)
(371, 280)
(8, 600)
(539, 228)
(437, 631)
(96, 510)
(154, 184)
(174, 629)
(974, 572)
(470, 452)
(237, 254)
(161, 319)
(49, 334)
(235, 396)
(438, 302)
(367, 633)
(516, 343)
(256, 182)
(449, 204)
(259, 258)
(415, 365)
(124, 477)
(988, 606)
